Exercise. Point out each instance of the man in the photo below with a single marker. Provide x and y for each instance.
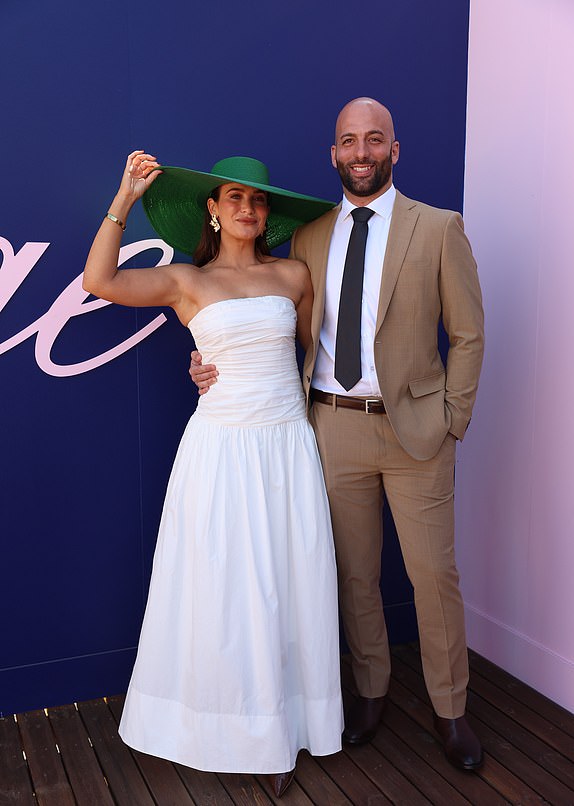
(387, 413)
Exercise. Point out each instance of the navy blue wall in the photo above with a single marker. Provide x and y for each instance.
(85, 457)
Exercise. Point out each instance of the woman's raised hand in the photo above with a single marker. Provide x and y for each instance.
(138, 175)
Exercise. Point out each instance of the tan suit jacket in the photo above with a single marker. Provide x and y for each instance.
(428, 272)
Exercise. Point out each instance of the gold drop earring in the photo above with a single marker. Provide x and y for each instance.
(214, 223)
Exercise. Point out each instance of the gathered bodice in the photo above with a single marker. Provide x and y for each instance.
(251, 341)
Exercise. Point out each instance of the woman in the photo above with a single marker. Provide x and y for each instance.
(238, 662)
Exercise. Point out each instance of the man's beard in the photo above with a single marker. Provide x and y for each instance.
(370, 186)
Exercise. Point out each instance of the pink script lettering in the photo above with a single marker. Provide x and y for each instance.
(71, 302)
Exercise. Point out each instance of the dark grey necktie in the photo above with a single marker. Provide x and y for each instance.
(348, 342)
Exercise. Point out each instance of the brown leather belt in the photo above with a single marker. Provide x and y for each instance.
(373, 405)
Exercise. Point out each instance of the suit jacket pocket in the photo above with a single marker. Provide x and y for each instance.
(425, 386)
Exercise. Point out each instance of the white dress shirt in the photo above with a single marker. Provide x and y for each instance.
(379, 223)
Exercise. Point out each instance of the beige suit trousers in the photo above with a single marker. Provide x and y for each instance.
(361, 458)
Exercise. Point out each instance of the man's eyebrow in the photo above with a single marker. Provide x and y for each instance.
(352, 134)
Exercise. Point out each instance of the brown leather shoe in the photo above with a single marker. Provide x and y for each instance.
(281, 781)
(363, 719)
(461, 745)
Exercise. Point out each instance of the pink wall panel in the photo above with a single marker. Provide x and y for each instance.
(515, 500)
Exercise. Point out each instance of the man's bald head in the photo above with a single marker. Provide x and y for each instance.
(365, 149)
(360, 108)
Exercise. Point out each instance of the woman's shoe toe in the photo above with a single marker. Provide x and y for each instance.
(281, 781)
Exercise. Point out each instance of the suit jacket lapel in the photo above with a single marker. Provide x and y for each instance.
(403, 223)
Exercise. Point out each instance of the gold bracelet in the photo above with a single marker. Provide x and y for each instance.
(116, 220)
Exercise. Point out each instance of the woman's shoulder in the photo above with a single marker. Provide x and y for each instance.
(179, 267)
(185, 270)
(295, 275)
(288, 264)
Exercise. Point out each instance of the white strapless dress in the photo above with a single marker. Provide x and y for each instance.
(238, 659)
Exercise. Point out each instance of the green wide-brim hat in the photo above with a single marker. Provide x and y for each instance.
(175, 202)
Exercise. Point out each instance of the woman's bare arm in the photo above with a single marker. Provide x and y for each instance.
(137, 287)
(304, 307)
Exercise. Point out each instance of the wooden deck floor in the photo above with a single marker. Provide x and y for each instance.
(73, 755)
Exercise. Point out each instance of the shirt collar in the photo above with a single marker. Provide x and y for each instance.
(382, 205)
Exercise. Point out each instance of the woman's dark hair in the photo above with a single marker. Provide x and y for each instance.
(210, 241)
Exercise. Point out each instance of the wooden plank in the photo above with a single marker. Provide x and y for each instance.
(524, 693)
(15, 783)
(317, 785)
(410, 718)
(125, 781)
(49, 778)
(163, 780)
(545, 770)
(503, 719)
(351, 780)
(546, 744)
(515, 776)
(397, 788)
(526, 738)
(243, 789)
(204, 787)
(295, 793)
(84, 772)
(424, 777)
(494, 783)
(433, 787)
(160, 775)
(116, 706)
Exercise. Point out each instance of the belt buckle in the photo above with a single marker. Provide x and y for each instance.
(367, 403)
